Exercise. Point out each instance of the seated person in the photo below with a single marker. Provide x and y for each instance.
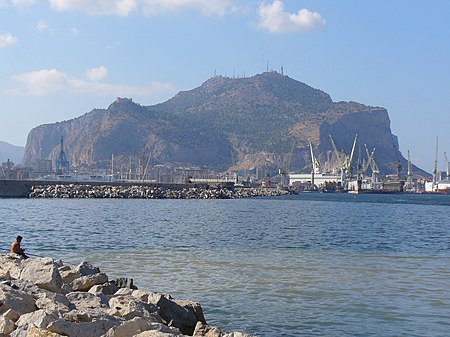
(15, 248)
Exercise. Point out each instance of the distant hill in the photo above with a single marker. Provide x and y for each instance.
(12, 152)
(265, 121)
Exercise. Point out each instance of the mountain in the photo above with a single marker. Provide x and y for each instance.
(12, 152)
(265, 121)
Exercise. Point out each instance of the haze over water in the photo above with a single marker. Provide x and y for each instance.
(306, 265)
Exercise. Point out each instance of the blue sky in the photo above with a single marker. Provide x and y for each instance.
(62, 58)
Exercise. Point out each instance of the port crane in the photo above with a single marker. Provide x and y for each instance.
(373, 166)
(345, 161)
(315, 162)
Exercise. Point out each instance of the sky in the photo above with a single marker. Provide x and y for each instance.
(62, 58)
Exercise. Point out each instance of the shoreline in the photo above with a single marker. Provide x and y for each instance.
(46, 297)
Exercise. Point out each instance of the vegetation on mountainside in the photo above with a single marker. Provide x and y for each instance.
(267, 119)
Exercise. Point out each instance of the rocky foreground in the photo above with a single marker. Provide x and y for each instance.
(42, 297)
(149, 192)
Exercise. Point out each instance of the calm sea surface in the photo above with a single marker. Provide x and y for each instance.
(306, 265)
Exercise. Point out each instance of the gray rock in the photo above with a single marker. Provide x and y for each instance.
(39, 332)
(86, 300)
(138, 325)
(108, 288)
(54, 303)
(43, 272)
(124, 283)
(84, 329)
(15, 303)
(84, 283)
(69, 275)
(39, 318)
(181, 314)
(86, 268)
(128, 307)
(6, 325)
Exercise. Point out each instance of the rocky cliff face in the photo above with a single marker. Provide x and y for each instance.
(266, 120)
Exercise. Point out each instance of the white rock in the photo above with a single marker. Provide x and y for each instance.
(84, 329)
(84, 283)
(141, 295)
(85, 300)
(43, 272)
(54, 302)
(10, 266)
(128, 307)
(69, 275)
(136, 326)
(38, 318)
(15, 303)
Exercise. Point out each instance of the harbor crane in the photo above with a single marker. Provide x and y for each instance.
(315, 162)
(345, 161)
(373, 166)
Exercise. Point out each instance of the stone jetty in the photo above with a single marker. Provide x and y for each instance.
(42, 297)
(149, 192)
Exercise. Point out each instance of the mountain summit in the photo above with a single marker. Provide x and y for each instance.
(266, 120)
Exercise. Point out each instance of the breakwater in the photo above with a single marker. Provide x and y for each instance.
(45, 297)
(148, 192)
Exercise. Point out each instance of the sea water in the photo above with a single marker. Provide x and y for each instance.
(305, 265)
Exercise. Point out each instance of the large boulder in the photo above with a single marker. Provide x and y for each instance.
(108, 288)
(204, 330)
(34, 331)
(14, 303)
(42, 272)
(39, 318)
(138, 325)
(86, 268)
(95, 328)
(129, 307)
(84, 283)
(54, 302)
(181, 314)
(10, 267)
(86, 300)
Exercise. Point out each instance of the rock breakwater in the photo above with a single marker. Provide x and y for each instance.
(45, 297)
(148, 192)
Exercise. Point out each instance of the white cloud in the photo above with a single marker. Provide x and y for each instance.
(206, 7)
(7, 40)
(51, 81)
(75, 31)
(96, 7)
(148, 7)
(276, 20)
(97, 74)
(21, 3)
(42, 26)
